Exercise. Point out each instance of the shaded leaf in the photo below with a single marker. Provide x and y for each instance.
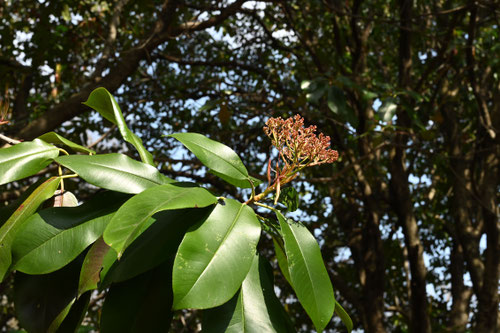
(310, 279)
(282, 260)
(219, 249)
(40, 299)
(53, 137)
(336, 101)
(155, 245)
(103, 102)
(141, 304)
(92, 266)
(131, 219)
(255, 308)
(25, 159)
(10, 228)
(116, 172)
(76, 314)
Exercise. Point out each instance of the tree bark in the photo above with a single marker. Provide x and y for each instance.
(400, 187)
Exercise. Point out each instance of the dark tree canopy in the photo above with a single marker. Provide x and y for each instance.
(409, 92)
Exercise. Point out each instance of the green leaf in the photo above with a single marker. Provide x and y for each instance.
(309, 277)
(25, 159)
(42, 299)
(7, 211)
(155, 245)
(316, 91)
(131, 219)
(103, 102)
(387, 110)
(221, 159)
(9, 230)
(92, 266)
(55, 138)
(290, 198)
(142, 304)
(116, 172)
(237, 182)
(339, 310)
(219, 249)
(55, 236)
(336, 101)
(72, 320)
(282, 260)
(255, 308)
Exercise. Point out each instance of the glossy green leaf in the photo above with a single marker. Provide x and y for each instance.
(25, 159)
(53, 137)
(42, 299)
(7, 211)
(237, 182)
(221, 249)
(254, 309)
(10, 228)
(131, 219)
(116, 172)
(142, 304)
(103, 102)
(309, 277)
(282, 260)
(155, 245)
(55, 236)
(92, 266)
(387, 110)
(339, 310)
(219, 158)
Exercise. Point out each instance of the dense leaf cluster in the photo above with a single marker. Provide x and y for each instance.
(147, 239)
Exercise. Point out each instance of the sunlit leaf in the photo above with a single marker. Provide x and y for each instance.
(103, 102)
(131, 219)
(55, 236)
(221, 159)
(219, 249)
(25, 159)
(310, 279)
(339, 310)
(55, 138)
(116, 172)
(10, 228)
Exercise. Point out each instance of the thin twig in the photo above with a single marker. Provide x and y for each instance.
(9, 140)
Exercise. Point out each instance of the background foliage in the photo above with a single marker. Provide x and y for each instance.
(408, 91)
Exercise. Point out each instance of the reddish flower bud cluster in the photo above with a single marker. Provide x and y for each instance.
(299, 146)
